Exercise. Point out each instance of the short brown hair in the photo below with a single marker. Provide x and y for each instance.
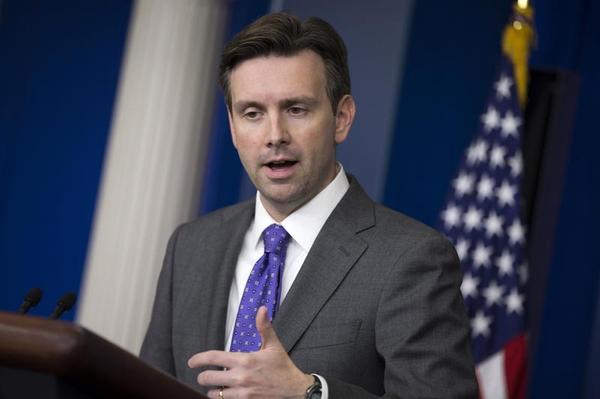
(286, 35)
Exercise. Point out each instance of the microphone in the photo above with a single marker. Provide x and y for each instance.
(65, 303)
(33, 297)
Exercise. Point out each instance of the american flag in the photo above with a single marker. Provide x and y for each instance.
(482, 219)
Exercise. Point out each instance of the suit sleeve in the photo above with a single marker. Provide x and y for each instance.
(157, 346)
(422, 331)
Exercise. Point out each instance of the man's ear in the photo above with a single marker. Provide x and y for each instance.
(344, 117)
(231, 128)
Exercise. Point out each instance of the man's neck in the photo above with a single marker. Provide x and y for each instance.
(281, 211)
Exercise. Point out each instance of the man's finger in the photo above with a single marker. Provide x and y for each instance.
(215, 378)
(214, 358)
(265, 329)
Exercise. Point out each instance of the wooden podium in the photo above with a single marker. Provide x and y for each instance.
(42, 358)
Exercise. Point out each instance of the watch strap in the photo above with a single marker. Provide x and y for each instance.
(314, 391)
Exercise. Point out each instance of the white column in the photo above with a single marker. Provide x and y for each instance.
(154, 161)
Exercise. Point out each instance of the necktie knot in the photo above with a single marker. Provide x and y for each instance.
(275, 238)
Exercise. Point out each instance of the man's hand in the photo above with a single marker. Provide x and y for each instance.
(268, 373)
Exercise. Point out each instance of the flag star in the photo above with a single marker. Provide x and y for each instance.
(463, 184)
(516, 232)
(493, 225)
(516, 164)
(472, 219)
(481, 255)
(462, 248)
(477, 152)
(505, 263)
(493, 294)
(468, 288)
(451, 216)
(523, 272)
(514, 302)
(503, 87)
(509, 124)
(480, 324)
(506, 194)
(485, 187)
(497, 156)
(491, 119)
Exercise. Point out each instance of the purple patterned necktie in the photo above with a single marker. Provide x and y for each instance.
(263, 288)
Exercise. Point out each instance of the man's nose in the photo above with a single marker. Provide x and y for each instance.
(278, 133)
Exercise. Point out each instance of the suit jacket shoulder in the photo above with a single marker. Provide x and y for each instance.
(215, 221)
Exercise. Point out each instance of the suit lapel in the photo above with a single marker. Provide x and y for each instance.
(336, 249)
(213, 285)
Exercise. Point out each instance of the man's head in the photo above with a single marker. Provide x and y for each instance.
(280, 112)
(285, 35)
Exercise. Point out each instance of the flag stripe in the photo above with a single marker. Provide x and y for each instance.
(515, 367)
(490, 386)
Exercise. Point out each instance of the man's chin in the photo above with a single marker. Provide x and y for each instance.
(278, 198)
(281, 198)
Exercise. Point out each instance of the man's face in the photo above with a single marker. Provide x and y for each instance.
(284, 129)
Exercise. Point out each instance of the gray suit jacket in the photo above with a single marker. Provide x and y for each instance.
(376, 308)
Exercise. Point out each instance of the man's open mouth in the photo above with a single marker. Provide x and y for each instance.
(280, 164)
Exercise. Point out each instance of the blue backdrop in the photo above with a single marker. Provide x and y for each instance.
(58, 74)
(569, 38)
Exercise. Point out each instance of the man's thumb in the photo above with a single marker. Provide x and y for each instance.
(265, 329)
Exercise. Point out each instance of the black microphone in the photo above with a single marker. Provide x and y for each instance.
(65, 303)
(33, 297)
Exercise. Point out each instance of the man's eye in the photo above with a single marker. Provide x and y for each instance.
(296, 111)
(252, 115)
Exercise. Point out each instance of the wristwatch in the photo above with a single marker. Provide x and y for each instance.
(314, 391)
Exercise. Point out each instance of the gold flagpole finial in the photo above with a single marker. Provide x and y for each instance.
(517, 40)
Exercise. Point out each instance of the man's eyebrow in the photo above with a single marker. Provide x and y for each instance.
(242, 105)
(288, 102)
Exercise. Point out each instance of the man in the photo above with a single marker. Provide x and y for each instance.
(364, 301)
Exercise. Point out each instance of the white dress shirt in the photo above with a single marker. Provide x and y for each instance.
(303, 226)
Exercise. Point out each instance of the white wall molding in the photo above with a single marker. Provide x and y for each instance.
(154, 160)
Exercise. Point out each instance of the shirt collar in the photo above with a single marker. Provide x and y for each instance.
(305, 223)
